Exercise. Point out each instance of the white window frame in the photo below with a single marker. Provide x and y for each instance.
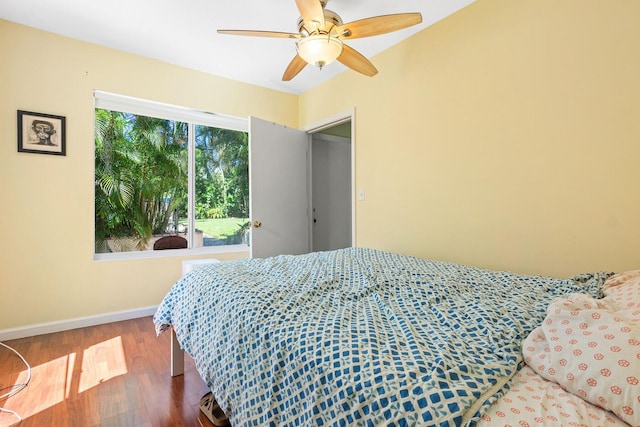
(142, 107)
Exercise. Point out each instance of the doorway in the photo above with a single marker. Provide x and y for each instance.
(284, 189)
(332, 187)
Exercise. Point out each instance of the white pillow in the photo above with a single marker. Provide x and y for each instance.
(591, 347)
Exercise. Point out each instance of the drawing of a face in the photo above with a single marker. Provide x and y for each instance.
(43, 130)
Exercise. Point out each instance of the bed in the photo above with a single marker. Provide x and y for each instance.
(365, 337)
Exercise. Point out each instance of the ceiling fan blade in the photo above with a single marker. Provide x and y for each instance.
(356, 61)
(258, 33)
(312, 13)
(378, 25)
(294, 67)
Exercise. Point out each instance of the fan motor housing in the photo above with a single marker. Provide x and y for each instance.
(331, 20)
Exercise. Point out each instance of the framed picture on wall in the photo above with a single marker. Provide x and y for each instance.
(41, 133)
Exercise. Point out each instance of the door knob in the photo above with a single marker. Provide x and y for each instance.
(257, 224)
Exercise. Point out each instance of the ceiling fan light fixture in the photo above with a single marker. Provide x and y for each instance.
(319, 49)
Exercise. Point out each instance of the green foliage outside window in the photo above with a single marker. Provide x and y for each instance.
(222, 173)
(141, 166)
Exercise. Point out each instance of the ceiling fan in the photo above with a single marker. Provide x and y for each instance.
(321, 33)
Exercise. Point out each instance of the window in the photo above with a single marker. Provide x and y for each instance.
(166, 170)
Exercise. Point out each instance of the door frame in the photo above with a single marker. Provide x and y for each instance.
(337, 119)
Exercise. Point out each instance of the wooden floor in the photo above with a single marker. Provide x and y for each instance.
(109, 375)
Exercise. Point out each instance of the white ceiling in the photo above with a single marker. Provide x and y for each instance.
(183, 32)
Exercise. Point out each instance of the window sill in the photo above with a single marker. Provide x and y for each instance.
(209, 250)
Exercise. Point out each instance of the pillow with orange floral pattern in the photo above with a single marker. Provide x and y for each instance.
(591, 347)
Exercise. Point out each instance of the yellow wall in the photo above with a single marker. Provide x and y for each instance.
(505, 136)
(47, 272)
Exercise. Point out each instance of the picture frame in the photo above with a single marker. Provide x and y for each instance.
(41, 133)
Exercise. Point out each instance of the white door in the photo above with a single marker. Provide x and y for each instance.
(278, 189)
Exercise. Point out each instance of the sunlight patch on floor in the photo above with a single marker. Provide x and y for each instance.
(101, 362)
(53, 376)
(54, 381)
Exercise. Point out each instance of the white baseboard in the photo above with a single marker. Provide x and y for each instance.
(79, 322)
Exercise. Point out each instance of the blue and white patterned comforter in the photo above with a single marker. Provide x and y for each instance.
(357, 336)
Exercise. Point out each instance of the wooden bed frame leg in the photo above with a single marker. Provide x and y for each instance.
(177, 356)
